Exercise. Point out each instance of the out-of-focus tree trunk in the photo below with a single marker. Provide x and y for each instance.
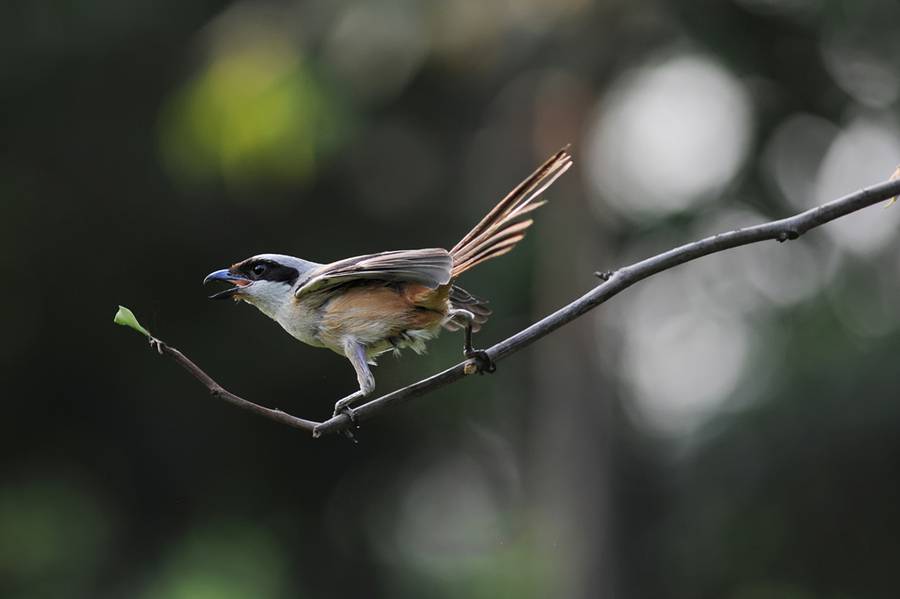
(571, 425)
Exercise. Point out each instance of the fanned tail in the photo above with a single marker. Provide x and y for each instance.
(504, 227)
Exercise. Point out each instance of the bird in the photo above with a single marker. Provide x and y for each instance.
(365, 306)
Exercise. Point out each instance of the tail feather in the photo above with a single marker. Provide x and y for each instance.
(514, 231)
(502, 228)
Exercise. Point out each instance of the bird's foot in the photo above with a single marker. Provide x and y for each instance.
(480, 360)
(156, 344)
(346, 411)
(343, 407)
(350, 413)
(346, 432)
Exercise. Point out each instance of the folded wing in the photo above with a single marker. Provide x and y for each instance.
(429, 267)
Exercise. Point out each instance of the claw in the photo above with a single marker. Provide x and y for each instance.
(347, 432)
(351, 414)
(348, 411)
(482, 360)
(342, 406)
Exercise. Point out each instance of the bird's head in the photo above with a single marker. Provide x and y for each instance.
(266, 281)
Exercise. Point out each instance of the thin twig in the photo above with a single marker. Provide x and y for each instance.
(614, 282)
(216, 390)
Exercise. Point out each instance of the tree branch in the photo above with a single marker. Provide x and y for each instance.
(613, 283)
(216, 390)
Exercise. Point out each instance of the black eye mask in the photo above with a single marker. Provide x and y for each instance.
(273, 271)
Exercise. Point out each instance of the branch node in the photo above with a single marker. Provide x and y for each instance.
(604, 274)
(788, 234)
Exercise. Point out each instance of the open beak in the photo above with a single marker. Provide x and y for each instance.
(228, 276)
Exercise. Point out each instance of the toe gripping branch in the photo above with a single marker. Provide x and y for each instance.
(343, 408)
(482, 361)
(346, 432)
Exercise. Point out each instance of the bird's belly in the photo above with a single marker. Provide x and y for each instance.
(379, 318)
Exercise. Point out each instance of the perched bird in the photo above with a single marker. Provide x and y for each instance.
(364, 306)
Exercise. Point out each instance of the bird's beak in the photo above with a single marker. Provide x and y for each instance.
(228, 276)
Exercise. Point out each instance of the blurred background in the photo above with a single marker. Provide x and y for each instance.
(725, 429)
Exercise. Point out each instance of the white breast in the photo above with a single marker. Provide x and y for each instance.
(300, 321)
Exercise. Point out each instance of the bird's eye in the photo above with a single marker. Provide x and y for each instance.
(259, 270)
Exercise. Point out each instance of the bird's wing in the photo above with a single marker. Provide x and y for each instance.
(430, 267)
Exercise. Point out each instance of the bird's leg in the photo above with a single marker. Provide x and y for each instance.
(356, 353)
(481, 357)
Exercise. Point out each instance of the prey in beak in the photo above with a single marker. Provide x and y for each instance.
(228, 276)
